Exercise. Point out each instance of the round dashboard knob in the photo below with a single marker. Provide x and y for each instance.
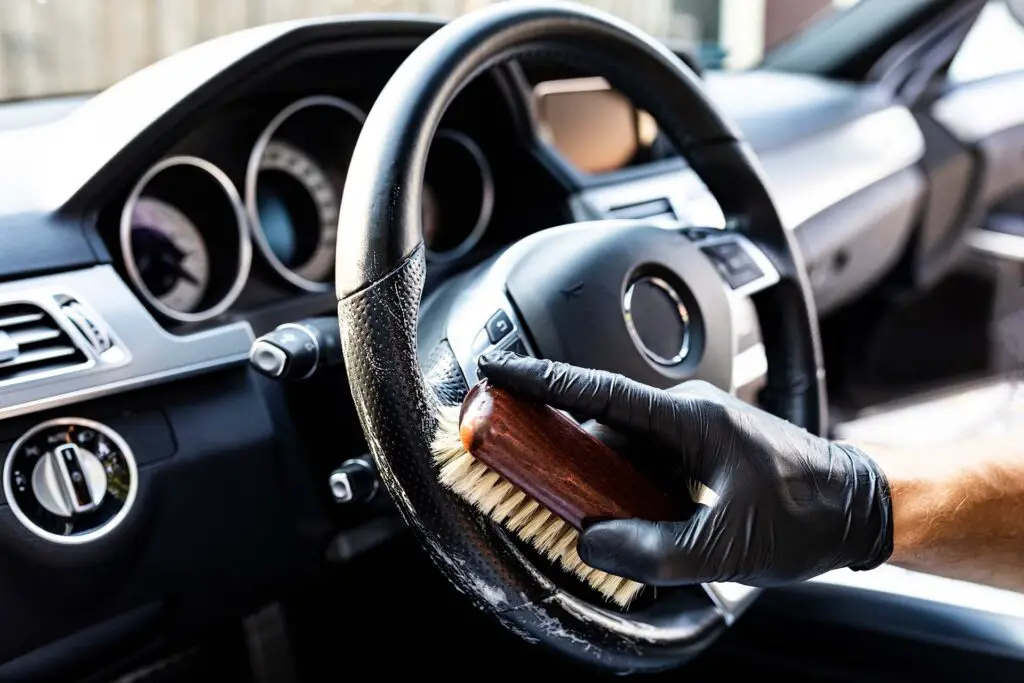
(70, 480)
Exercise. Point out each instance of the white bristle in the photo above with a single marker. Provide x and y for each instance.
(498, 498)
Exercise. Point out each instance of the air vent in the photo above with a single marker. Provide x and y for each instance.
(656, 209)
(32, 343)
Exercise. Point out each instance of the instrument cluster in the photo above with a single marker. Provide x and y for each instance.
(189, 233)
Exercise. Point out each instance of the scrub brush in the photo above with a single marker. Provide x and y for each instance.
(536, 472)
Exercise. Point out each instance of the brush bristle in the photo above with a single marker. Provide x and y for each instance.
(493, 495)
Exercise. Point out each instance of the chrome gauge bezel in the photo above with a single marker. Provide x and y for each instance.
(106, 527)
(252, 174)
(486, 201)
(244, 245)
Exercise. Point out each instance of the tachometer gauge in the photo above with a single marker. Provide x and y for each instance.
(293, 187)
(170, 254)
(298, 211)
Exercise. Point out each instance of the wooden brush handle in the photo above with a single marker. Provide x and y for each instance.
(555, 462)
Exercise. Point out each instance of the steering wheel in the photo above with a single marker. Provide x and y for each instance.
(574, 293)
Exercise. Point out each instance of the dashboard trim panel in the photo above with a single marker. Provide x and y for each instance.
(805, 178)
(999, 244)
(154, 354)
(931, 588)
(979, 110)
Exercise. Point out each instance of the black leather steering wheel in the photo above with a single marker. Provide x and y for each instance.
(380, 273)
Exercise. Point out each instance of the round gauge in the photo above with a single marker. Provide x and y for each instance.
(298, 211)
(293, 187)
(458, 196)
(170, 254)
(184, 239)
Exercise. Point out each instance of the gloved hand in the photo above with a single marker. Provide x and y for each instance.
(790, 505)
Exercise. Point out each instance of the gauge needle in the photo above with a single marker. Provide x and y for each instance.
(174, 261)
(188, 276)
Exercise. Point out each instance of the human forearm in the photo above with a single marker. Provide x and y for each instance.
(958, 511)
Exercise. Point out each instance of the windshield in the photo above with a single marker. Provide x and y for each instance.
(56, 47)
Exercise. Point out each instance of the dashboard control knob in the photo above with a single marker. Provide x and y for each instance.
(355, 481)
(70, 480)
(295, 351)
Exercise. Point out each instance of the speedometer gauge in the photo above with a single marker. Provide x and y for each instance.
(170, 254)
(298, 210)
(293, 187)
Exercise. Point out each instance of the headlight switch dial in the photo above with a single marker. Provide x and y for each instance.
(70, 480)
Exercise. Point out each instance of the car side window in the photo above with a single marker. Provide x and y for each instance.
(993, 47)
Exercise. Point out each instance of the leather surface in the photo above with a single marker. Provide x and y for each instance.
(444, 376)
(398, 412)
(379, 283)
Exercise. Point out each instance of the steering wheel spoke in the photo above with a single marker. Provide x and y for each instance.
(745, 271)
(744, 267)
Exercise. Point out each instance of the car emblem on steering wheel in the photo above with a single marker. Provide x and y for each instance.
(657, 320)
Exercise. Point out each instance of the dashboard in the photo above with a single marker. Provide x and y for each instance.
(152, 232)
(187, 213)
(238, 215)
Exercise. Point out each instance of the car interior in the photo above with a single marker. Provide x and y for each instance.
(236, 285)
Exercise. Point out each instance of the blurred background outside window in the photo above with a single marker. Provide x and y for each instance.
(54, 47)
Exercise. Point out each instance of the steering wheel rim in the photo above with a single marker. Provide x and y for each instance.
(379, 279)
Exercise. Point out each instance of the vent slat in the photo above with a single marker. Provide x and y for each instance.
(42, 344)
(33, 335)
(39, 355)
(7, 321)
(660, 208)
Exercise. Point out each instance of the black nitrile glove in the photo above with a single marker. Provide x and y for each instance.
(790, 505)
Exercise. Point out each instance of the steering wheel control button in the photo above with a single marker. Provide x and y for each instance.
(499, 326)
(657, 320)
(733, 262)
(70, 480)
(355, 481)
(297, 350)
(516, 345)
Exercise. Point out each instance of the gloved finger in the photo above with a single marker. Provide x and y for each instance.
(654, 553)
(612, 399)
(644, 453)
(627, 446)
